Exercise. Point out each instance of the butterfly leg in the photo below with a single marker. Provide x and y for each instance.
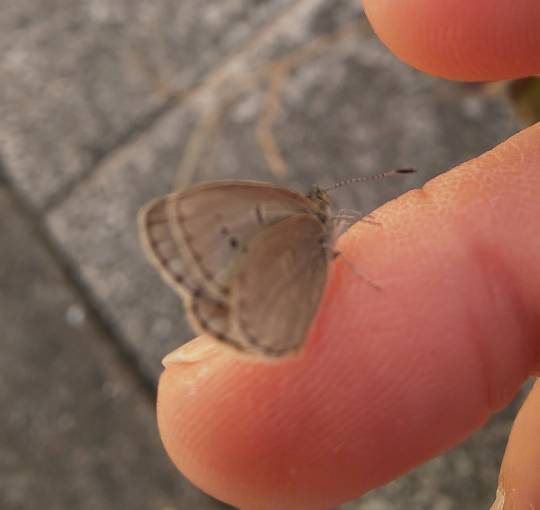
(347, 217)
(350, 265)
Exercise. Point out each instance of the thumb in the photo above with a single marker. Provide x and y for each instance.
(387, 379)
(519, 485)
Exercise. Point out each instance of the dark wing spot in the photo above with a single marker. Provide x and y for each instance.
(208, 275)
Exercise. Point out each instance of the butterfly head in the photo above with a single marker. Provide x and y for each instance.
(319, 195)
(322, 202)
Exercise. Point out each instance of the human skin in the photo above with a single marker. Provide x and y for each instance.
(460, 39)
(390, 379)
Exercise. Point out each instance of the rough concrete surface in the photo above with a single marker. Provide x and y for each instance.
(104, 105)
(80, 77)
(77, 430)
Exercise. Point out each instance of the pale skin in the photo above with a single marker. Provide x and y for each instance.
(390, 379)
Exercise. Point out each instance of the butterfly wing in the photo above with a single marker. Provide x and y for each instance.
(159, 243)
(194, 237)
(278, 286)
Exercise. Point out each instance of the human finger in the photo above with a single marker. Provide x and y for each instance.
(480, 40)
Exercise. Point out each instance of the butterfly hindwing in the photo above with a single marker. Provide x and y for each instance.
(279, 285)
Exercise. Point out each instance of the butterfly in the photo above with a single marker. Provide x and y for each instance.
(249, 258)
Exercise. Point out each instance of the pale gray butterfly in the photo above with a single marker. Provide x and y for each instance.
(249, 258)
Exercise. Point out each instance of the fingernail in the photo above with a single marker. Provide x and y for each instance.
(498, 504)
(195, 351)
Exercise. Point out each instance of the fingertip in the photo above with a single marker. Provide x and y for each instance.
(225, 427)
(181, 391)
(184, 413)
(459, 39)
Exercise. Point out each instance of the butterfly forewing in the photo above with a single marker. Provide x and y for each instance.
(170, 258)
(279, 285)
(212, 318)
(212, 224)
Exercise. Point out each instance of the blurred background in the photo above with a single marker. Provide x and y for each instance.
(106, 104)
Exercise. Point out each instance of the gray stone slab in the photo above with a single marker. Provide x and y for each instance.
(77, 431)
(78, 77)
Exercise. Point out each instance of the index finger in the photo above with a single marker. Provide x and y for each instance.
(462, 39)
(388, 379)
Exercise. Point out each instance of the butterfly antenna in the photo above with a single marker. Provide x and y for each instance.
(375, 177)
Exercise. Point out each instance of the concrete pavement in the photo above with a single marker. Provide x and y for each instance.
(105, 105)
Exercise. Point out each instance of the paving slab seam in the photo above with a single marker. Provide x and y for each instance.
(130, 136)
(240, 64)
(94, 312)
(206, 91)
(233, 64)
